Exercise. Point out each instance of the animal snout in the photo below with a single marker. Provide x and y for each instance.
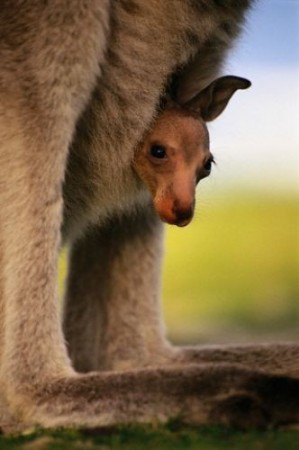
(183, 214)
(175, 212)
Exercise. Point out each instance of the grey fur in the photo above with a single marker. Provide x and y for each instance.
(80, 81)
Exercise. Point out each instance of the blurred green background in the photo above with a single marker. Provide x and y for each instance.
(232, 275)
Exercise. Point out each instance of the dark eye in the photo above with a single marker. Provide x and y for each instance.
(208, 164)
(158, 151)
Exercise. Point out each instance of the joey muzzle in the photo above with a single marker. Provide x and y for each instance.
(173, 211)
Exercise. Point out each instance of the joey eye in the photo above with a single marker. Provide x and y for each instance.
(205, 170)
(208, 165)
(158, 151)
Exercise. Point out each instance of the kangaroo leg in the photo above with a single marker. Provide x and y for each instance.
(48, 70)
(112, 315)
(30, 197)
(198, 395)
(280, 358)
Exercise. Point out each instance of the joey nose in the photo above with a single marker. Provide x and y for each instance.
(183, 215)
(174, 210)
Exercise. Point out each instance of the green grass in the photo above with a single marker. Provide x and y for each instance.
(162, 438)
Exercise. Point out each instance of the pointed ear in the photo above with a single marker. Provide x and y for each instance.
(212, 100)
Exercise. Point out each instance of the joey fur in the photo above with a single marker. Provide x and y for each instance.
(80, 83)
(174, 156)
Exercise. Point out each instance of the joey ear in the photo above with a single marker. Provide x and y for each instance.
(212, 100)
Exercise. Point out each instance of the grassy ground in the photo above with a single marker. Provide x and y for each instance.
(166, 438)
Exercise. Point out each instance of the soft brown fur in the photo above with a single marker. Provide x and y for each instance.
(175, 155)
(80, 81)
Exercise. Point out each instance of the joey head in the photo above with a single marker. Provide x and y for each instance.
(175, 155)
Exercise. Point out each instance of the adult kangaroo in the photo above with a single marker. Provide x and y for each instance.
(80, 82)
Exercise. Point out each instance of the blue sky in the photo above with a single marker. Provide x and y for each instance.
(256, 141)
(272, 34)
